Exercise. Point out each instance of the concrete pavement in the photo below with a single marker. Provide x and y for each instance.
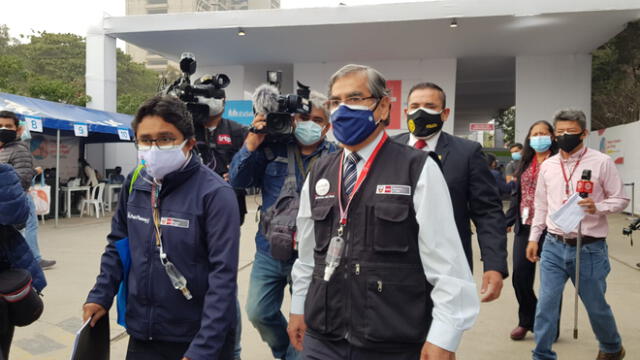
(78, 243)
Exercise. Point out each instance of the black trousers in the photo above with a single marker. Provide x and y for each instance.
(167, 350)
(316, 349)
(524, 273)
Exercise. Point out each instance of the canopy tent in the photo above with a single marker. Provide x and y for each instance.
(51, 118)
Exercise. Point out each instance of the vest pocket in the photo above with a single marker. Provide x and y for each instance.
(315, 312)
(396, 312)
(323, 226)
(390, 227)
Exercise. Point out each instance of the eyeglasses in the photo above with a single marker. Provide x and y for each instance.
(353, 100)
(163, 143)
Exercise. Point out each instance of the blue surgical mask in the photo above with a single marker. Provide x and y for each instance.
(308, 132)
(540, 143)
(516, 156)
(352, 124)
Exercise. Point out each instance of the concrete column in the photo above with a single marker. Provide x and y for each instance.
(545, 84)
(100, 78)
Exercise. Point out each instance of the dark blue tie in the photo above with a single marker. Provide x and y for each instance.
(351, 173)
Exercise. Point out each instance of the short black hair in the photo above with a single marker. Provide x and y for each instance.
(491, 158)
(118, 170)
(518, 145)
(429, 85)
(10, 115)
(170, 109)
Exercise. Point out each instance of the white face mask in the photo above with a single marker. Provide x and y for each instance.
(216, 106)
(159, 163)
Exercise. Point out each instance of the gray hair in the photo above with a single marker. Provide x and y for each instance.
(318, 101)
(377, 82)
(571, 115)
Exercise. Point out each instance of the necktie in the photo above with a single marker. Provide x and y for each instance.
(351, 173)
(420, 144)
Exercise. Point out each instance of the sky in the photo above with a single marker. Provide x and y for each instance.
(76, 16)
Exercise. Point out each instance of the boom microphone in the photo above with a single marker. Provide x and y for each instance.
(265, 99)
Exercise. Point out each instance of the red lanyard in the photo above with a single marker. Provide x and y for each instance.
(363, 174)
(564, 173)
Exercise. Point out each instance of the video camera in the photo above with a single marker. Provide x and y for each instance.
(280, 108)
(208, 86)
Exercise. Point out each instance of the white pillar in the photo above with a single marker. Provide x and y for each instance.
(100, 81)
(545, 84)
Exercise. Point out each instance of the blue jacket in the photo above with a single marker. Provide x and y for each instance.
(14, 209)
(200, 236)
(266, 168)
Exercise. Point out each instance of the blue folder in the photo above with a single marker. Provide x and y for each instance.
(122, 246)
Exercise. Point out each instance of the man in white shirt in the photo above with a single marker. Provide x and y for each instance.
(401, 288)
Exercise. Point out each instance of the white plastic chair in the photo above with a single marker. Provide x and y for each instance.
(96, 200)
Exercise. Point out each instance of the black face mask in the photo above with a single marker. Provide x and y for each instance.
(7, 136)
(568, 142)
(422, 123)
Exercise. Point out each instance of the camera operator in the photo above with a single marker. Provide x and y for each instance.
(264, 162)
(222, 139)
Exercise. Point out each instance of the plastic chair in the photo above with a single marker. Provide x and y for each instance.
(96, 200)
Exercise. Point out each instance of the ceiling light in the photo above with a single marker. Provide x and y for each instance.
(454, 23)
(241, 32)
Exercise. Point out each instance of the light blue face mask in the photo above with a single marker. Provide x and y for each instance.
(540, 143)
(308, 132)
(516, 156)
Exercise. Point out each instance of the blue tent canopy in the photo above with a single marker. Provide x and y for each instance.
(103, 126)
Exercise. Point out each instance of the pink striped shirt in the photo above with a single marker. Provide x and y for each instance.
(608, 192)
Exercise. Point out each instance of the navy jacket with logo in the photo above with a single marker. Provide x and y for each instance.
(200, 234)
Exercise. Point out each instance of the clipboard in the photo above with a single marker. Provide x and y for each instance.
(92, 343)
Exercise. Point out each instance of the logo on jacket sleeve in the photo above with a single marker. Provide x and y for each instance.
(393, 190)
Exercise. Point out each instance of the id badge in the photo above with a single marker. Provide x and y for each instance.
(525, 215)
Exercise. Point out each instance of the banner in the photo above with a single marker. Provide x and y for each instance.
(240, 111)
(43, 149)
(395, 89)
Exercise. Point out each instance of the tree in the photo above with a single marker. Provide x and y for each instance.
(615, 92)
(507, 121)
(52, 67)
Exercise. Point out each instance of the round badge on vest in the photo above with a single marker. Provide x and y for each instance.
(322, 187)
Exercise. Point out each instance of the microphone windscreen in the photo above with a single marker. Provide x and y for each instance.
(265, 99)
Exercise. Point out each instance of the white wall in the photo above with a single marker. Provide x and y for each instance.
(124, 155)
(256, 75)
(545, 84)
(623, 140)
(439, 71)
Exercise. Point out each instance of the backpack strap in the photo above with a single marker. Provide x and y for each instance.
(291, 166)
(134, 177)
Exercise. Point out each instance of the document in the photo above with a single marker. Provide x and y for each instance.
(92, 343)
(569, 215)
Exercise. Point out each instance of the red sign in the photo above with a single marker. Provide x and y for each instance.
(395, 93)
(481, 127)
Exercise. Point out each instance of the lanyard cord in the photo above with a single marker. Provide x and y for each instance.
(567, 181)
(344, 212)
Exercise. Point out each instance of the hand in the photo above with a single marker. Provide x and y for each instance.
(532, 251)
(296, 330)
(588, 205)
(93, 311)
(433, 352)
(491, 286)
(225, 176)
(508, 229)
(254, 140)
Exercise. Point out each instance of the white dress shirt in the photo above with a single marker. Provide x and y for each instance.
(432, 142)
(455, 301)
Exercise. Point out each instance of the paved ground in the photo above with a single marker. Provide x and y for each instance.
(78, 243)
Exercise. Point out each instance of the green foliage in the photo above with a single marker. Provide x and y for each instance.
(615, 96)
(507, 121)
(52, 67)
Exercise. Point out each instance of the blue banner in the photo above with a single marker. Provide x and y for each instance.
(239, 110)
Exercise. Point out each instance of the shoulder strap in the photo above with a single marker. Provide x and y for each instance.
(435, 157)
(136, 173)
(291, 160)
